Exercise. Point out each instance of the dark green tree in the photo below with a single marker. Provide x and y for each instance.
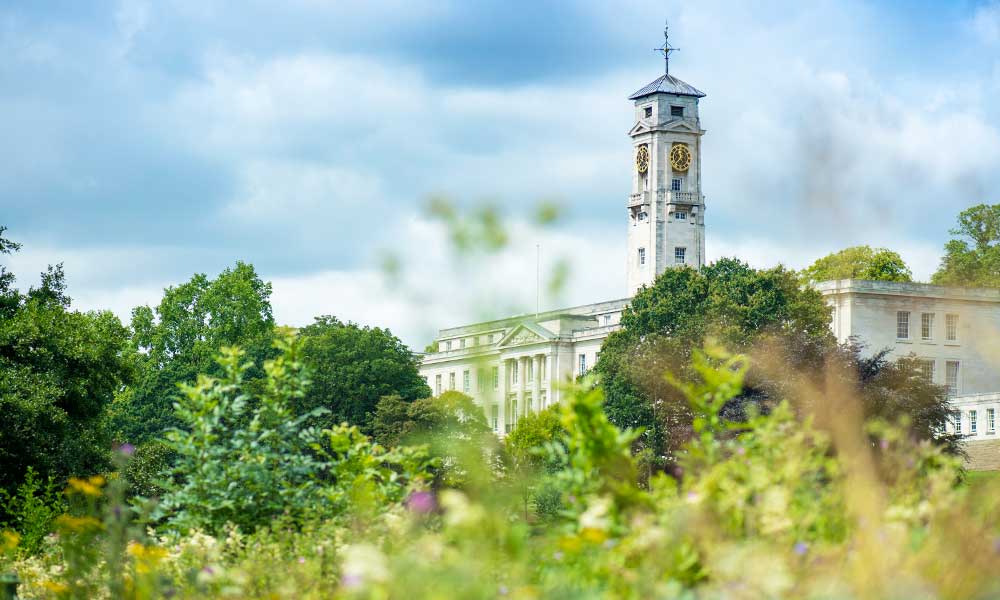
(353, 367)
(181, 337)
(59, 370)
(859, 262)
(728, 301)
(973, 259)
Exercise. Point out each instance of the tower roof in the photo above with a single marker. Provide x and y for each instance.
(668, 84)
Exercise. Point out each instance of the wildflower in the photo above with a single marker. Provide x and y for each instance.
(884, 444)
(801, 548)
(9, 541)
(77, 524)
(90, 486)
(420, 502)
(127, 449)
(693, 497)
(146, 557)
(558, 555)
(503, 590)
(302, 560)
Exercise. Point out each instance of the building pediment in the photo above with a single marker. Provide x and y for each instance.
(524, 334)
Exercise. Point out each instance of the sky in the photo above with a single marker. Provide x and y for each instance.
(143, 142)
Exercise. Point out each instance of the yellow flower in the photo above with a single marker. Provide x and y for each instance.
(90, 486)
(77, 524)
(146, 557)
(9, 541)
(55, 587)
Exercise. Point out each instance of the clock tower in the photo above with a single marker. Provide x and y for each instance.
(666, 209)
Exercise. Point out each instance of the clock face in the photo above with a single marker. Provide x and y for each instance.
(680, 158)
(642, 159)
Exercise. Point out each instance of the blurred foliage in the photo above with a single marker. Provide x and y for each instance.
(859, 262)
(779, 507)
(245, 459)
(973, 260)
(178, 340)
(352, 367)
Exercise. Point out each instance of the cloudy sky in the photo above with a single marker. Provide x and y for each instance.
(145, 141)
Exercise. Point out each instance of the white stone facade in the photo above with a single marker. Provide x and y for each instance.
(666, 209)
(955, 330)
(511, 366)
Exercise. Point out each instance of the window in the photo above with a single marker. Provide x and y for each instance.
(647, 112)
(956, 420)
(951, 328)
(583, 364)
(495, 417)
(513, 412)
(437, 384)
(643, 216)
(527, 403)
(927, 326)
(675, 184)
(927, 370)
(480, 381)
(496, 378)
(676, 111)
(679, 255)
(991, 420)
(680, 215)
(451, 380)
(607, 320)
(951, 377)
(466, 382)
(542, 367)
(513, 372)
(642, 257)
(902, 325)
(973, 418)
(542, 400)
(530, 370)
(447, 345)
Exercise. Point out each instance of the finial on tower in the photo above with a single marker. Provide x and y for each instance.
(666, 49)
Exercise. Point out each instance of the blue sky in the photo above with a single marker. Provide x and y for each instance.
(143, 142)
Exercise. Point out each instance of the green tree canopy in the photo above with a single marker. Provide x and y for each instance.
(765, 313)
(59, 370)
(728, 301)
(180, 338)
(353, 367)
(859, 262)
(973, 260)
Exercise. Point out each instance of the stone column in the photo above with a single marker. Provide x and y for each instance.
(536, 385)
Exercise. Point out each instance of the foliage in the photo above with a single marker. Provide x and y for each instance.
(179, 340)
(32, 508)
(976, 264)
(246, 459)
(59, 370)
(353, 367)
(782, 507)
(729, 301)
(859, 262)
(452, 426)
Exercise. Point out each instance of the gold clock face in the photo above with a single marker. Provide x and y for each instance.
(642, 159)
(680, 158)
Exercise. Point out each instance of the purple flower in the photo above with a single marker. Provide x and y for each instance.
(801, 548)
(420, 502)
(741, 451)
(558, 555)
(302, 561)
(351, 580)
(127, 449)
(884, 444)
(208, 570)
(503, 590)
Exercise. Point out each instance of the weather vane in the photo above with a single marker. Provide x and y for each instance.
(666, 49)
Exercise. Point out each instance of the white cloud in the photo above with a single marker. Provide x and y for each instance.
(985, 23)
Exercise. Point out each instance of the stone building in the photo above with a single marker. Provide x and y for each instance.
(512, 366)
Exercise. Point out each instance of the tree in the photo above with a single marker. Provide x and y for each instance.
(859, 262)
(353, 367)
(727, 301)
(452, 425)
(180, 338)
(764, 313)
(978, 264)
(59, 370)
